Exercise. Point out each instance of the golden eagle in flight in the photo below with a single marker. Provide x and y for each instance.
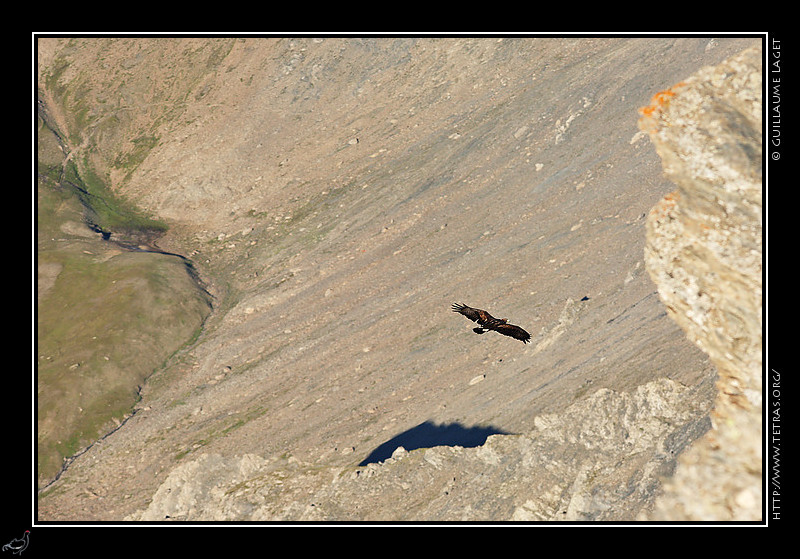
(488, 322)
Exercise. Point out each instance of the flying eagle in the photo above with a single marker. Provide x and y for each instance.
(488, 322)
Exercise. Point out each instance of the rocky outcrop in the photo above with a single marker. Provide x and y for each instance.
(704, 252)
(602, 459)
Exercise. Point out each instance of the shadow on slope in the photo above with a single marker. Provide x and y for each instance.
(427, 435)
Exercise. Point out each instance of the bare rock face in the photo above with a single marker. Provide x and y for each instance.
(599, 460)
(704, 252)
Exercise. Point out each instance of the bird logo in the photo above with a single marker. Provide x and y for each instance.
(18, 545)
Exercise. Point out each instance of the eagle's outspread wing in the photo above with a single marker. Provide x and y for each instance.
(513, 331)
(488, 322)
(475, 315)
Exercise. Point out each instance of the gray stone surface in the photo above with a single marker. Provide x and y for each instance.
(704, 251)
(601, 459)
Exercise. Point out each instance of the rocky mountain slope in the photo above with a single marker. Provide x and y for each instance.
(336, 196)
(704, 251)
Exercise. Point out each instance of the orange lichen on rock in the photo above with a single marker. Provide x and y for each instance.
(665, 207)
(658, 101)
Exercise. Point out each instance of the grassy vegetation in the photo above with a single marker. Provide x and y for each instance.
(109, 212)
(106, 318)
(102, 329)
(132, 159)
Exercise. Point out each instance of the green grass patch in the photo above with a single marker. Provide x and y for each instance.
(106, 320)
(104, 209)
(102, 329)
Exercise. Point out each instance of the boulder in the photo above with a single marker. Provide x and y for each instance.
(704, 252)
